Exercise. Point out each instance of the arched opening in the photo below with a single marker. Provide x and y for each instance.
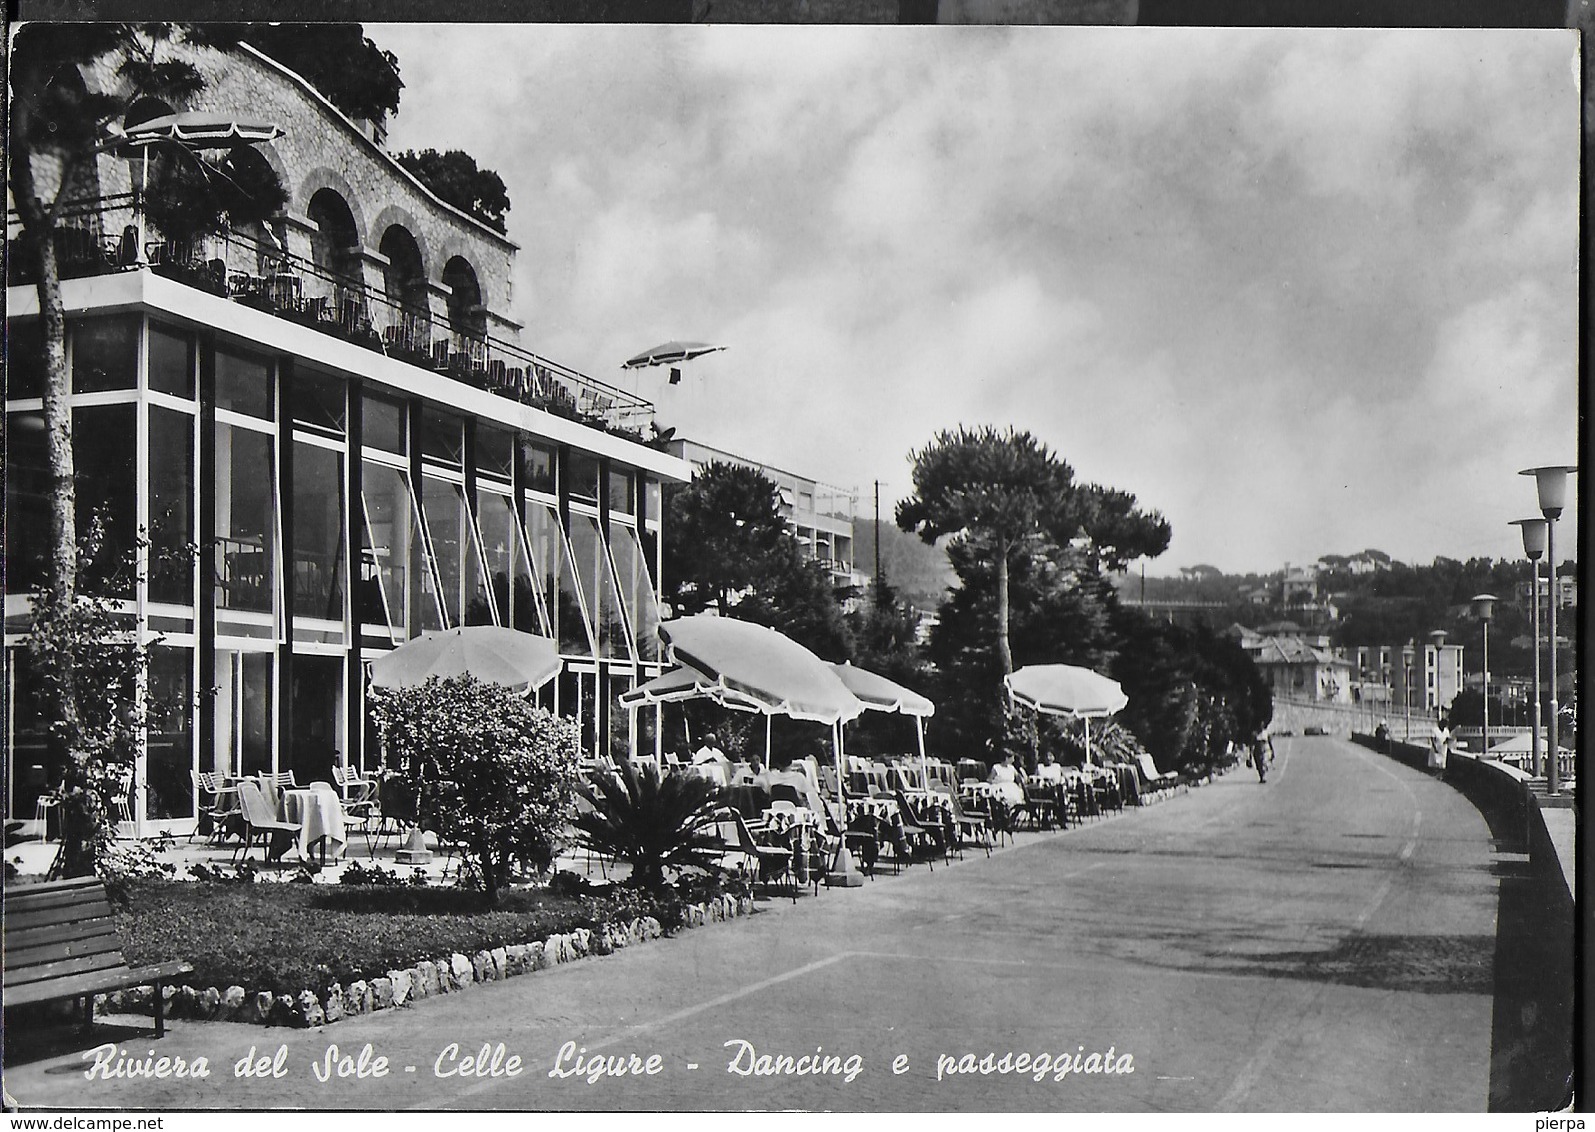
(404, 280)
(467, 319)
(467, 315)
(335, 253)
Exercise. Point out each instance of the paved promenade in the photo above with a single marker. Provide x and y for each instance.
(1321, 942)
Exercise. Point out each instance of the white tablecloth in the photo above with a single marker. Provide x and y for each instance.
(319, 815)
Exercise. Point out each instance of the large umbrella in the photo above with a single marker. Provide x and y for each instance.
(1520, 744)
(760, 666)
(198, 129)
(522, 661)
(669, 354)
(877, 693)
(194, 130)
(1067, 689)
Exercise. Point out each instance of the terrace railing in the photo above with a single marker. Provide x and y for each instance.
(102, 236)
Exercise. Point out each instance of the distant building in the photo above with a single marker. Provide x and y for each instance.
(819, 515)
(1295, 665)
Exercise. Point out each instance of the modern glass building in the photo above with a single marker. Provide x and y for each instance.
(318, 440)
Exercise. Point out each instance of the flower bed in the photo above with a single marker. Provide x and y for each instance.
(304, 955)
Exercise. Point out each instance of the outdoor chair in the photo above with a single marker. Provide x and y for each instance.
(47, 801)
(775, 861)
(1041, 806)
(222, 806)
(859, 835)
(260, 821)
(920, 833)
(969, 828)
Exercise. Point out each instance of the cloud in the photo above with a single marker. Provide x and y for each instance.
(1303, 291)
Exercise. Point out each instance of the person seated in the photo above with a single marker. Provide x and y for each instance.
(710, 752)
(1050, 771)
(790, 775)
(1006, 779)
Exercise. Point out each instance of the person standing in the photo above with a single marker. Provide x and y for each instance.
(1262, 753)
(1439, 747)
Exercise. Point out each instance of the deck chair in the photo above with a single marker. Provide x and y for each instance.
(259, 820)
(775, 861)
(933, 837)
(860, 835)
(969, 828)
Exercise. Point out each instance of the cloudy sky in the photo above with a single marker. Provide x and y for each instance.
(1303, 292)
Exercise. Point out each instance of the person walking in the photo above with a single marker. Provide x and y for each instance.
(1262, 755)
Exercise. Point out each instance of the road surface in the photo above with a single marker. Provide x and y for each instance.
(1321, 942)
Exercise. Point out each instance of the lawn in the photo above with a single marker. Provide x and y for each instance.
(286, 938)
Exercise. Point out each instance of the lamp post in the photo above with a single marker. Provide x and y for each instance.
(1551, 483)
(1484, 609)
(1407, 653)
(1534, 536)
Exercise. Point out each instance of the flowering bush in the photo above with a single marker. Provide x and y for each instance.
(494, 773)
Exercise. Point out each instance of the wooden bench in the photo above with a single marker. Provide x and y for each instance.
(61, 942)
(1157, 781)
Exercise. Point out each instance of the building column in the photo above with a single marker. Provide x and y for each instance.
(354, 536)
(284, 755)
(205, 508)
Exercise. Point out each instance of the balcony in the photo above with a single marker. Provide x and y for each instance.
(101, 236)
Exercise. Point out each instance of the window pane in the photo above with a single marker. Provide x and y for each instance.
(318, 400)
(243, 384)
(390, 534)
(444, 515)
(584, 477)
(495, 452)
(620, 496)
(521, 601)
(24, 360)
(537, 468)
(168, 785)
(636, 590)
(603, 605)
(27, 501)
(655, 508)
(171, 362)
(32, 770)
(171, 501)
(551, 559)
(256, 713)
(318, 532)
(244, 498)
(382, 426)
(441, 437)
(104, 452)
(105, 354)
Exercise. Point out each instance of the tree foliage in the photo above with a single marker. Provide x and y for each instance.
(455, 178)
(89, 643)
(999, 493)
(494, 772)
(338, 59)
(730, 550)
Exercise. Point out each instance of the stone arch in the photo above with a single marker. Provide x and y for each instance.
(335, 239)
(322, 177)
(405, 284)
(467, 312)
(396, 216)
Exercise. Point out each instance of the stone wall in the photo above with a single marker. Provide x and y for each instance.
(321, 148)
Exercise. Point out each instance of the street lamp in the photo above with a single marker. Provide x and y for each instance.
(1407, 653)
(1534, 536)
(1484, 609)
(1551, 482)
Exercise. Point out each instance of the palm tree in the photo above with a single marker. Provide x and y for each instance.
(652, 823)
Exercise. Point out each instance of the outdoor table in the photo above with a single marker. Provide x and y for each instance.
(319, 815)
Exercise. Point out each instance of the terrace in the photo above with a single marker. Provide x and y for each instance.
(102, 236)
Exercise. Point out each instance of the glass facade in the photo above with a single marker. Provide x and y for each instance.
(248, 521)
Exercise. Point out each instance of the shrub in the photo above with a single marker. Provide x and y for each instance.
(494, 772)
(651, 822)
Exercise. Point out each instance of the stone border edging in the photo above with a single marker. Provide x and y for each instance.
(427, 978)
